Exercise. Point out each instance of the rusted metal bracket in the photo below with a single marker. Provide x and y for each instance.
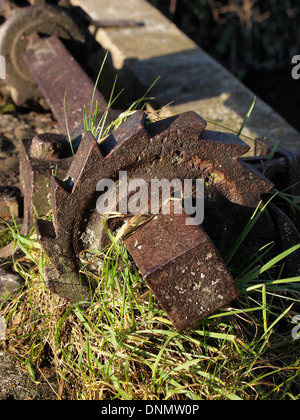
(57, 75)
(47, 153)
(40, 158)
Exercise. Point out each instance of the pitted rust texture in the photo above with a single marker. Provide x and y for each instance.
(151, 155)
(177, 147)
(180, 263)
(41, 157)
(182, 267)
(66, 87)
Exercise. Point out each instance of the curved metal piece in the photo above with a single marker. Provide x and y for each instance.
(14, 33)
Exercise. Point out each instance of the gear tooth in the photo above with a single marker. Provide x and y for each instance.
(243, 184)
(133, 126)
(262, 184)
(60, 192)
(88, 157)
(187, 123)
(241, 150)
(250, 185)
(226, 143)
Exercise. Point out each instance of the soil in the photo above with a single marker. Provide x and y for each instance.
(15, 384)
(17, 124)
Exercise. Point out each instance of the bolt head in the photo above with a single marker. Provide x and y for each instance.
(48, 146)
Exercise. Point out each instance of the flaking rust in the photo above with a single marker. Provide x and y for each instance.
(182, 267)
(179, 262)
(41, 157)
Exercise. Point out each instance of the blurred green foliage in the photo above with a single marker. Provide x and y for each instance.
(244, 35)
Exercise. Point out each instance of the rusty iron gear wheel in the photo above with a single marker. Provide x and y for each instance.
(15, 37)
(175, 148)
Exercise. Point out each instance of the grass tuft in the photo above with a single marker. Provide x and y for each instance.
(123, 345)
(96, 122)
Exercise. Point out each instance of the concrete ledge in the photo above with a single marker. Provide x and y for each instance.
(190, 78)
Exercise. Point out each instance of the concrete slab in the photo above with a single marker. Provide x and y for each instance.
(190, 78)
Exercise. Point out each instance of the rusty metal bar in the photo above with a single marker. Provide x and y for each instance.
(182, 267)
(59, 76)
(36, 168)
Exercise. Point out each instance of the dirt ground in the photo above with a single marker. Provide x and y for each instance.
(15, 384)
(17, 124)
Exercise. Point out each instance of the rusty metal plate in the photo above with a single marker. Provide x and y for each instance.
(37, 165)
(182, 267)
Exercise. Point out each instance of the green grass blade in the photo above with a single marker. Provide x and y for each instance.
(67, 124)
(96, 85)
(252, 222)
(247, 118)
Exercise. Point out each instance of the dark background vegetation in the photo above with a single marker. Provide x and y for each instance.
(254, 39)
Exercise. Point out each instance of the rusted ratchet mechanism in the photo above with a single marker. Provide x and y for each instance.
(181, 263)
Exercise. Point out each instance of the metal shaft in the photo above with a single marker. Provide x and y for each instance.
(65, 85)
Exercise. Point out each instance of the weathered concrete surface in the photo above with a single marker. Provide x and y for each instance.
(190, 78)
